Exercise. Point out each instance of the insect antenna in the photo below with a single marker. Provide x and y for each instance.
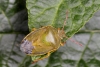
(75, 41)
(66, 36)
(65, 20)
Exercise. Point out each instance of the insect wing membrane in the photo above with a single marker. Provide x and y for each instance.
(44, 40)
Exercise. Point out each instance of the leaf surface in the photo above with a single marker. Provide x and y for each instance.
(53, 12)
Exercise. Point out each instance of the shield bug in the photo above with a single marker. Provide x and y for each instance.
(40, 43)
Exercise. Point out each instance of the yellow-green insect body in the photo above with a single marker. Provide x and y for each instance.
(42, 42)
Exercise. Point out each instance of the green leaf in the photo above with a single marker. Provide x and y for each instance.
(14, 27)
(53, 12)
